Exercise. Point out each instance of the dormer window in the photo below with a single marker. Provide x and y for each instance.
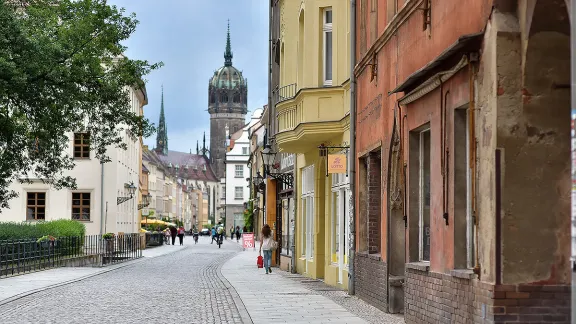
(204, 167)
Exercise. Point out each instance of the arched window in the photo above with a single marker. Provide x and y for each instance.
(212, 98)
(237, 97)
(224, 98)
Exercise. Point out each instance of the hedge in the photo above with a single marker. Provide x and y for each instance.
(56, 228)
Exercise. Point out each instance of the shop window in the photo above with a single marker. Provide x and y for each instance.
(340, 219)
(308, 212)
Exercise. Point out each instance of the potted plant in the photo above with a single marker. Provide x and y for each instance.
(47, 241)
(109, 242)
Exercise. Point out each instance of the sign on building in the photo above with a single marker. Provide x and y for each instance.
(336, 163)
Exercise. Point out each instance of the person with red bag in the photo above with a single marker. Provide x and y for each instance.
(267, 244)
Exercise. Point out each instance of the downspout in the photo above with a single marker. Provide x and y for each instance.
(102, 218)
(352, 160)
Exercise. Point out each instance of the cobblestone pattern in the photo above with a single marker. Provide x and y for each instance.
(182, 287)
(352, 304)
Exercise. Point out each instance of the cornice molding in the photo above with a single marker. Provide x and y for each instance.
(399, 19)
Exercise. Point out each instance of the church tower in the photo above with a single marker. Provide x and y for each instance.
(162, 134)
(227, 106)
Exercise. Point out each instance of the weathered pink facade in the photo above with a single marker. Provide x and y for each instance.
(490, 80)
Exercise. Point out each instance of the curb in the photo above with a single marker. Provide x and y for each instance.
(106, 270)
(242, 310)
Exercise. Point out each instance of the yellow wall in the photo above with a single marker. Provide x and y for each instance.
(316, 115)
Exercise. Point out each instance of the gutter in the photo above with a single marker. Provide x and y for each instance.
(102, 218)
(352, 159)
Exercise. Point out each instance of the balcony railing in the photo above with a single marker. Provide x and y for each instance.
(284, 93)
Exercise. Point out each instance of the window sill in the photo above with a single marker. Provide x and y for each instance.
(463, 273)
(419, 266)
(373, 256)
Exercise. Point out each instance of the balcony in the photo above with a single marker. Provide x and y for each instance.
(310, 117)
(284, 93)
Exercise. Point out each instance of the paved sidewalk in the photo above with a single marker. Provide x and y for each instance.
(23, 285)
(276, 298)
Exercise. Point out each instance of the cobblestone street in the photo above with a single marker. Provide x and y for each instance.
(184, 286)
(195, 284)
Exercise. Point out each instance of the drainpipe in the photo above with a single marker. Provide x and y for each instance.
(102, 218)
(573, 96)
(352, 160)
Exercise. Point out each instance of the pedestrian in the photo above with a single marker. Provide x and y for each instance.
(173, 233)
(213, 235)
(232, 232)
(266, 245)
(167, 236)
(237, 233)
(181, 233)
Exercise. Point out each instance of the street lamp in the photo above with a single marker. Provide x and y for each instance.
(268, 157)
(146, 199)
(131, 190)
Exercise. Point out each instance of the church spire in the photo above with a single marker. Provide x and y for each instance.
(204, 144)
(228, 53)
(162, 135)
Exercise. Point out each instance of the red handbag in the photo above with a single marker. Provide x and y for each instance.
(260, 262)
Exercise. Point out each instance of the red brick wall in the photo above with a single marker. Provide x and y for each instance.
(371, 281)
(432, 297)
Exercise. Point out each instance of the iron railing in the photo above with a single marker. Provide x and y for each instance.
(284, 93)
(30, 255)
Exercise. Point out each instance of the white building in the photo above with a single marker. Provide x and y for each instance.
(101, 198)
(237, 190)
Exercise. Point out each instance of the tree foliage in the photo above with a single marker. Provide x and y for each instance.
(62, 70)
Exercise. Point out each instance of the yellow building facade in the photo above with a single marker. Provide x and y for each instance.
(313, 108)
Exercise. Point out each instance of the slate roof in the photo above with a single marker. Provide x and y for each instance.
(190, 166)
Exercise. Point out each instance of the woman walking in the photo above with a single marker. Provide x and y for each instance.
(237, 233)
(266, 245)
(173, 233)
(181, 233)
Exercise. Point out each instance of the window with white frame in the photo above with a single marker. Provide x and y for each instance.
(340, 217)
(238, 193)
(307, 231)
(239, 171)
(464, 256)
(327, 46)
(244, 151)
(424, 195)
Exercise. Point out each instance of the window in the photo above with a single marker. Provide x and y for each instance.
(238, 193)
(36, 206)
(239, 171)
(236, 98)
(224, 98)
(327, 47)
(340, 219)
(223, 192)
(424, 195)
(307, 234)
(81, 145)
(81, 206)
(464, 229)
(244, 151)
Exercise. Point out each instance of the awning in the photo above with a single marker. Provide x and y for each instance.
(464, 44)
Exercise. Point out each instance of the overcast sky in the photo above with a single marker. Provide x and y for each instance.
(189, 36)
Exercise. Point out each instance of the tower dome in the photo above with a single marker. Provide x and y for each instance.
(227, 106)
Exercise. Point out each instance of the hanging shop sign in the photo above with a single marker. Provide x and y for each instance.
(336, 163)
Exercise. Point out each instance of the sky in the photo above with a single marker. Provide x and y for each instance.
(189, 37)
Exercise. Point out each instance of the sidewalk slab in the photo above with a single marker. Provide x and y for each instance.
(275, 299)
(25, 284)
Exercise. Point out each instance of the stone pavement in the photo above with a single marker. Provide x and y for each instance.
(22, 285)
(282, 297)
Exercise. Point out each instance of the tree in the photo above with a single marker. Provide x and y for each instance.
(62, 70)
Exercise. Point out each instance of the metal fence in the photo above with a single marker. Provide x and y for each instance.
(29, 255)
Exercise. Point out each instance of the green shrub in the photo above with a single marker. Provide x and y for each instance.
(56, 228)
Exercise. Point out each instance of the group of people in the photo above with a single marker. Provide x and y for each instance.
(172, 232)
